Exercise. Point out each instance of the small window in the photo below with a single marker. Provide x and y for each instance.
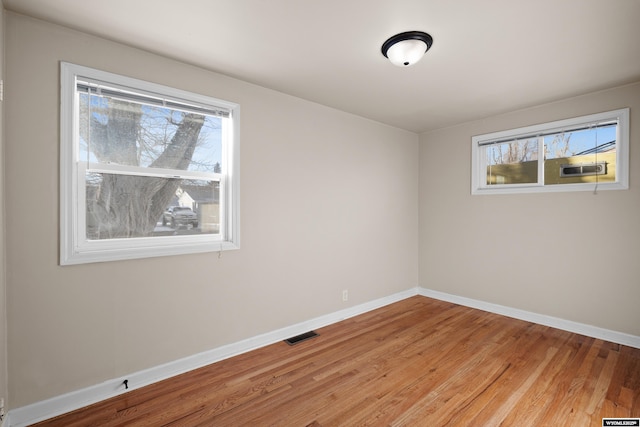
(146, 170)
(585, 153)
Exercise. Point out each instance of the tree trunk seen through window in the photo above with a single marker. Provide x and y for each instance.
(125, 133)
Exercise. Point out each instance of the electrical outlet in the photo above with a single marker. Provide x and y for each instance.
(345, 295)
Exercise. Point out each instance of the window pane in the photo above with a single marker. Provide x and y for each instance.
(122, 132)
(514, 162)
(588, 153)
(124, 206)
(580, 156)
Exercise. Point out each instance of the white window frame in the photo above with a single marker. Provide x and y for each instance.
(75, 248)
(479, 167)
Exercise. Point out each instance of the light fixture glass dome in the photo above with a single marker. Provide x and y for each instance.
(406, 52)
(406, 49)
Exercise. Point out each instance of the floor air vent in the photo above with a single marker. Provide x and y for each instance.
(300, 338)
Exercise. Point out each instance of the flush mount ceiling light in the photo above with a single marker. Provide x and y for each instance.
(406, 49)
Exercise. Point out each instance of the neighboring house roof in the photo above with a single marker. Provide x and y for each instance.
(203, 194)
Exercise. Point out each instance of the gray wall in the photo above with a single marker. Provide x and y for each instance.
(329, 201)
(574, 256)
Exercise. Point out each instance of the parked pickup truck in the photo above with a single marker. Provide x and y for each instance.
(177, 216)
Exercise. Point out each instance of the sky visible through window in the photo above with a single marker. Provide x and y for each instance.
(158, 127)
(560, 145)
(577, 142)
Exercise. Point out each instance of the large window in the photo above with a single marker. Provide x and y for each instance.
(146, 170)
(588, 153)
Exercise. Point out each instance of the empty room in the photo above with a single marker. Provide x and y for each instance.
(342, 213)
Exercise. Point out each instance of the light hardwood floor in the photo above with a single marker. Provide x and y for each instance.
(418, 362)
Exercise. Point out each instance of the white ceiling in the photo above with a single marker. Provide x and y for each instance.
(488, 56)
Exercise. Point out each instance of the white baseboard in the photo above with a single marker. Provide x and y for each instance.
(77, 399)
(58, 405)
(555, 322)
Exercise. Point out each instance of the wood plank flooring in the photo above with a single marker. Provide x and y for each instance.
(418, 362)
